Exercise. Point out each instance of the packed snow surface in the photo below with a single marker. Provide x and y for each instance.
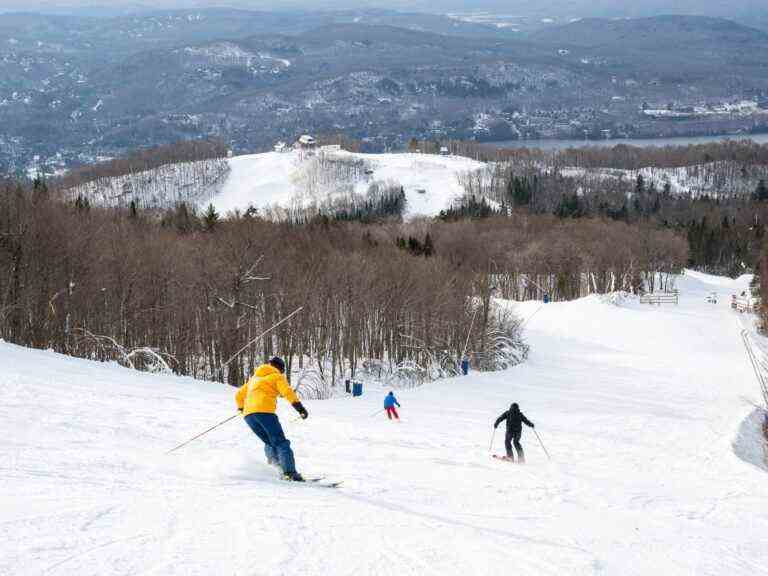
(646, 412)
(431, 182)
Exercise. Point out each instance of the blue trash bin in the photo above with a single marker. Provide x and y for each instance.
(546, 298)
(357, 389)
(465, 366)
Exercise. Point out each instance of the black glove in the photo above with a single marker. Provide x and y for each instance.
(240, 410)
(301, 410)
(533, 425)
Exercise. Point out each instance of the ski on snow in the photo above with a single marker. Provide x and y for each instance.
(503, 458)
(321, 482)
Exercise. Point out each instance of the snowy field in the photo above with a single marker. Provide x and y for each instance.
(283, 179)
(656, 463)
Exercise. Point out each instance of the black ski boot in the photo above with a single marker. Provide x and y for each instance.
(293, 477)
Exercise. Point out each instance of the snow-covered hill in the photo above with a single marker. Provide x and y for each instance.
(715, 179)
(294, 179)
(656, 464)
(166, 186)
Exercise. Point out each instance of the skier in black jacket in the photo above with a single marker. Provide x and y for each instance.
(515, 420)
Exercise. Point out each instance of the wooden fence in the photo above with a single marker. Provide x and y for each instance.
(661, 298)
(745, 303)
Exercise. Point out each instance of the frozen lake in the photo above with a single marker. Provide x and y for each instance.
(682, 141)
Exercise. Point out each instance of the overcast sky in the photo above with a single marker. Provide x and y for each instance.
(519, 7)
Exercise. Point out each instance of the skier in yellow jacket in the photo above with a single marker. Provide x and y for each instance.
(257, 400)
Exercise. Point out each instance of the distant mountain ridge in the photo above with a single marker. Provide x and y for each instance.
(679, 48)
(590, 32)
(75, 88)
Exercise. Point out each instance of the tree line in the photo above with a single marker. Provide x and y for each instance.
(172, 290)
(144, 160)
(725, 232)
(187, 171)
(187, 291)
(622, 156)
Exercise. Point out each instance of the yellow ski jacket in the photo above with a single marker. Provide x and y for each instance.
(260, 393)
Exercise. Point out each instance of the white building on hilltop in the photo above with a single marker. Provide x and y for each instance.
(305, 142)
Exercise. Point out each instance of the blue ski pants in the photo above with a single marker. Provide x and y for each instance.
(276, 446)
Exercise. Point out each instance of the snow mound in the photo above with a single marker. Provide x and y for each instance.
(619, 298)
(750, 445)
(699, 283)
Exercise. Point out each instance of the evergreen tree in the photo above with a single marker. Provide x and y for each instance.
(429, 247)
(656, 205)
(181, 218)
(640, 184)
(211, 218)
(520, 191)
(761, 192)
(82, 204)
(414, 246)
(569, 207)
(39, 190)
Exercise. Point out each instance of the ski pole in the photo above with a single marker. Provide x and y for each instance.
(260, 336)
(493, 436)
(469, 333)
(542, 444)
(203, 433)
(377, 413)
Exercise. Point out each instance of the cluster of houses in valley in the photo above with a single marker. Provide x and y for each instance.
(675, 112)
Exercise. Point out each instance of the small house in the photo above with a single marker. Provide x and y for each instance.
(305, 142)
(444, 151)
(281, 147)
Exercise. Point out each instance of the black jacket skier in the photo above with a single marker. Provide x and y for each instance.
(515, 420)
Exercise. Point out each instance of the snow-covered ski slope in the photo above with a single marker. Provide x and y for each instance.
(291, 179)
(646, 412)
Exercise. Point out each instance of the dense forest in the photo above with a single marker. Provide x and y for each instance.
(404, 300)
(719, 205)
(187, 291)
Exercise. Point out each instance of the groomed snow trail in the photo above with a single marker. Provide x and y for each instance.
(643, 410)
(430, 181)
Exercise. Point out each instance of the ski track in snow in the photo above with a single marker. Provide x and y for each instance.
(646, 412)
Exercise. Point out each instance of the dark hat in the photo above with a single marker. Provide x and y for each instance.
(515, 407)
(278, 363)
